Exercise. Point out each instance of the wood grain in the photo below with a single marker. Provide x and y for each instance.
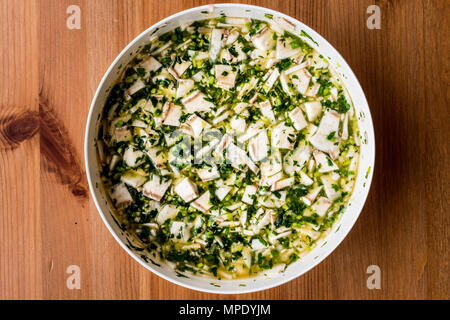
(48, 220)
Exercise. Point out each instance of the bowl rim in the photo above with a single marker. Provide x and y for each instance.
(213, 289)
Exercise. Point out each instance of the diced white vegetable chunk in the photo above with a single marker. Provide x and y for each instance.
(222, 192)
(122, 134)
(284, 83)
(184, 86)
(133, 179)
(249, 194)
(321, 142)
(298, 119)
(271, 169)
(206, 150)
(313, 109)
(252, 130)
(238, 124)
(196, 102)
(135, 87)
(202, 203)
(150, 64)
(168, 211)
(300, 79)
(257, 245)
(199, 76)
(274, 74)
(133, 157)
(179, 68)
(264, 40)
(258, 146)
(344, 134)
(216, 43)
(329, 123)
(283, 137)
(158, 157)
(208, 173)
(238, 158)
(284, 24)
(328, 184)
(156, 187)
(325, 164)
(121, 196)
(312, 90)
(240, 107)
(273, 238)
(197, 124)
(225, 76)
(311, 196)
(171, 114)
(305, 179)
(281, 184)
(223, 144)
(221, 118)
(284, 49)
(296, 160)
(179, 230)
(321, 206)
(266, 110)
(187, 190)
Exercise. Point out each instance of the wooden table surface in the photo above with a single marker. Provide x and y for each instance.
(48, 220)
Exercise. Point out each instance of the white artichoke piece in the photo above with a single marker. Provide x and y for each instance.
(156, 187)
(329, 185)
(238, 124)
(196, 102)
(150, 64)
(197, 124)
(249, 194)
(258, 146)
(313, 109)
(284, 49)
(180, 231)
(266, 110)
(283, 137)
(283, 183)
(208, 173)
(321, 206)
(322, 143)
(329, 123)
(121, 196)
(133, 178)
(311, 196)
(271, 168)
(133, 157)
(305, 179)
(264, 39)
(171, 114)
(135, 87)
(225, 76)
(187, 190)
(273, 77)
(222, 192)
(184, 86)
(298, 118)
(295, 161)
(216, 43)
(300, 79)
(168, 211)
(158, 157)
(202, 203)
(325, 164)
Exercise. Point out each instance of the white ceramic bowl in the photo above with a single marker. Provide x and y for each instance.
(323, 248)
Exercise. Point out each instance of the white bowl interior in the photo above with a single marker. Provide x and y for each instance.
(325, 246)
